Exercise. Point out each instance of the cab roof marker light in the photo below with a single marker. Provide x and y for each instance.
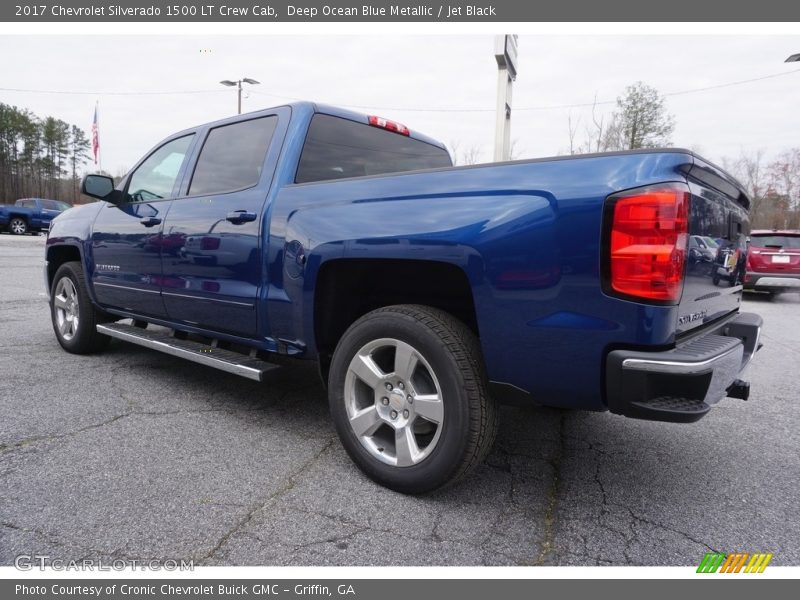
(389, 125)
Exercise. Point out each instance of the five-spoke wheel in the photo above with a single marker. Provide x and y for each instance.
(394, 402)
(66, 308)
(408, 397)
(74, 316)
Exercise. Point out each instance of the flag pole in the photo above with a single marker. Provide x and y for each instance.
(99, 153)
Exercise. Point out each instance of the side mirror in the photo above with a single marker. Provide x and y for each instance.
(98, 186)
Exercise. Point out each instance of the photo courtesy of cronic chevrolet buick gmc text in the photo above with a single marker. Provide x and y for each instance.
(425, 292)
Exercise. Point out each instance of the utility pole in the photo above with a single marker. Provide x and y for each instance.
(505, 53)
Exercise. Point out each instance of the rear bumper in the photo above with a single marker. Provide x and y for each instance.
(767, 282)
(682, 384)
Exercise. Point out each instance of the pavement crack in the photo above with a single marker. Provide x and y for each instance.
(255, 508)
(683, 534)
(548, 543)
(49, 438)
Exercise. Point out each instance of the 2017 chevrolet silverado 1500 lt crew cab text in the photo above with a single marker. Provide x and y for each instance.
(425, 292)
(30, 214)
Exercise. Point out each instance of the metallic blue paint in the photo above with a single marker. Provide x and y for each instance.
(526, 235)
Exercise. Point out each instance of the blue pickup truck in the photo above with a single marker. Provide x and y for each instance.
(30, 214)
(426, 293)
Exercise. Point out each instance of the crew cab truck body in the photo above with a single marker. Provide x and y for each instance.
(30, 215)
(425, 292)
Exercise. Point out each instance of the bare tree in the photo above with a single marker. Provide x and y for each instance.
(468, 156)
(749, 169)
(573, 131)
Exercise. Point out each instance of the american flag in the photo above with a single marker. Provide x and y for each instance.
(95, 137)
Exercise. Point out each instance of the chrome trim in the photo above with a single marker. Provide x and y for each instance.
(125, 287)
(788, 281)
(248, 304)
(203, 359)
(676, 366)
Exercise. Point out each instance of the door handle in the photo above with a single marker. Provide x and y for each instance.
(150, 221)
(241, 216)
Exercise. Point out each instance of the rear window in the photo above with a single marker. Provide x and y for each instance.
(338, 148)
(776, 241)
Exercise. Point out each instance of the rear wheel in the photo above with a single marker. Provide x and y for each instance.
(74, 316)
(408, 396)
(18, 226)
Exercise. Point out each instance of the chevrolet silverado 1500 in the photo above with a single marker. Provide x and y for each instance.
(30, 214)
(426, 292)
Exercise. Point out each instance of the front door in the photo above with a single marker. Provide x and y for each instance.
(128, 240)
(214, 280)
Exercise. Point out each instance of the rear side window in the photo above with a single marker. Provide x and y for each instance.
(776, 241)
(338, 148)
(54, 205)
(233, 156)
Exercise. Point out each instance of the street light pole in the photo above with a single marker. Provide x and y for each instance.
(505, 53)
(238, 84)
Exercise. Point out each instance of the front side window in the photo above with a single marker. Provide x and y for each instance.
(155, 177)
(233, 156)
(337, 148)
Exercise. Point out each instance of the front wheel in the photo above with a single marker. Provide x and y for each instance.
(18, 226)
(74, 316)
(408, 396)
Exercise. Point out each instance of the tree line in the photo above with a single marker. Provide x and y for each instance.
(39, 156)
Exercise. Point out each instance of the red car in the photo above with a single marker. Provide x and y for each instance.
(773, 261)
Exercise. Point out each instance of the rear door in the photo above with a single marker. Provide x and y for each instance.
(717, 257)
(214, 279)
(127, 240)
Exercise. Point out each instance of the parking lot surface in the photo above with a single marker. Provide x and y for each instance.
(135, 454)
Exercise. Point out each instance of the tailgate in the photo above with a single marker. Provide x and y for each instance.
(717, 250)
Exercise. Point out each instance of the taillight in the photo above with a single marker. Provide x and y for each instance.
(647, 233)
(209, 243)
(389, 125)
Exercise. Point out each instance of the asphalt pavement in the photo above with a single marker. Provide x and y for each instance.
(135, 454)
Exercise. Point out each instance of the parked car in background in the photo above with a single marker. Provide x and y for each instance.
(773, 261)
(30, 215)
(702, 253)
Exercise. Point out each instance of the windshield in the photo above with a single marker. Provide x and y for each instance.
(776, 241)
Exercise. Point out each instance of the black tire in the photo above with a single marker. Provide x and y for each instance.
(469, 416)
(84, 339)
(18, 226)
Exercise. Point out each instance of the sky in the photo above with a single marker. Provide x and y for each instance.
(441, 85)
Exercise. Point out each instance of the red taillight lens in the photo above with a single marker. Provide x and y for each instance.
(209, 243)
(647, 244)
(387, 124)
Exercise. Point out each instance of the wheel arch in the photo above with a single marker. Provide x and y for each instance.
(346, 289)
(57, 255)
